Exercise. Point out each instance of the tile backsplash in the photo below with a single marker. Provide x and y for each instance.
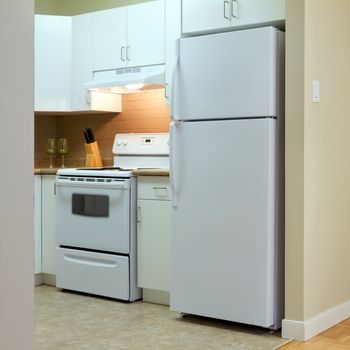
(142, 112)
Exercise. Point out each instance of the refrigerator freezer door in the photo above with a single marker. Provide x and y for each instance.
(223, 230)
(227, 75)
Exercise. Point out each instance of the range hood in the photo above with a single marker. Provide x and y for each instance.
(128, 80)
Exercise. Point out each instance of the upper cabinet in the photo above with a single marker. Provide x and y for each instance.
(172, 33)
(145, 34)
(128, 36)
(69, 49)
(52, 63)
(212, 16)
(108, 39)
(81, 60)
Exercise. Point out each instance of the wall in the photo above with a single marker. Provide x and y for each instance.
(318, 165)
(76, 7)
(16, 176)
(327, 161)
(142, 112)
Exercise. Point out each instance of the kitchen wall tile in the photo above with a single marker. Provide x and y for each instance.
(142, 112)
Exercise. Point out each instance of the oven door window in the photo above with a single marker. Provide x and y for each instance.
(90, 205)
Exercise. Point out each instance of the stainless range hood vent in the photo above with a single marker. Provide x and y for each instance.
(128, 80)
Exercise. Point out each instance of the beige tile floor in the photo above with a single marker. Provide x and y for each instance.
(74, 321)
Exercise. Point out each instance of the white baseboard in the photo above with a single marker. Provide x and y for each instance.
(304, 330)
(49, 279)
(156, 296)
(38, 279)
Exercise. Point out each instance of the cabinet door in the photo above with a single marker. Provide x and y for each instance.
(172, 32)
(153, 244)
(145, 33)
(81, 59)
(251, 12)
(48, 222)
(37, 223)
(109, 39)
(200, 16)
(52, 63)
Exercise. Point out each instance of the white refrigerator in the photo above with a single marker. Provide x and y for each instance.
(226, 162)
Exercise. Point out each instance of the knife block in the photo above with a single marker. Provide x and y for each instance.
(93, 157)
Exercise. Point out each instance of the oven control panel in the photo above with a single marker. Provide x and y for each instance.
(141, 144)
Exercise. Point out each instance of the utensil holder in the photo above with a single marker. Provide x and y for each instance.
(93, 157)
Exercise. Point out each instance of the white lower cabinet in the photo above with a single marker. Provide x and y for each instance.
(48, 224)
(153, 233)
(37, 224)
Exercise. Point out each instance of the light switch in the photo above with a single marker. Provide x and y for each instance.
(316, 91)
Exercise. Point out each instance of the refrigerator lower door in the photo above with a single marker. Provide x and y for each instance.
(224, 221)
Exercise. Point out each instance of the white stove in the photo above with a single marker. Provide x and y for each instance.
(96, 219)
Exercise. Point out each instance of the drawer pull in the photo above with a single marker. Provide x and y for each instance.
(160, 188)
(89, 261)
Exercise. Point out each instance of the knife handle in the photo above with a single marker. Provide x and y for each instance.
(86, 137)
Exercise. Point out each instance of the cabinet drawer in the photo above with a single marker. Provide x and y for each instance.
(154, 187)
(95, 273)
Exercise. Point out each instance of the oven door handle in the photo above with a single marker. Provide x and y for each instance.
(114, 184)
(89, 261)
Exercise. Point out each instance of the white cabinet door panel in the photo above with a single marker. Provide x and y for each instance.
(52, 63)
(37, 223)
(258, 11)
(48, 224)
(153, 239)
(145, 33)
(214, 15)
(81, 59)
(199, 15)
(109, 38)
(172, 33)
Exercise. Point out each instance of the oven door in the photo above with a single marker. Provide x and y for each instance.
(93, 213)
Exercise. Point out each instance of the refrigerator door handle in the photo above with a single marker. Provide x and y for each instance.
(172, 164)
(174, 80)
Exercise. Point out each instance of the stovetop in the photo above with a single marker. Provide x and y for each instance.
(105, 168)
(96, 172)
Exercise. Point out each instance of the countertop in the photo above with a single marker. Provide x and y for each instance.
(45, 171)
(138, 172)
(151, 172)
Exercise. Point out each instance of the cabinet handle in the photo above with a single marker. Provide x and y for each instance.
(226, 3)
(159, 188)
(166, 91)
(122, 53)
(128, 49)
(138, 219)
(234, 9)
(88, 97)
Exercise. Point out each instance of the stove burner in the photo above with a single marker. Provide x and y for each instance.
(105, 168)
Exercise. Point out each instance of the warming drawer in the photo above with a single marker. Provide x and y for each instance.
(96, 273)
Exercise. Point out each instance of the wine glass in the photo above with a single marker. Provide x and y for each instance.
(62, 148)
(50, 149)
